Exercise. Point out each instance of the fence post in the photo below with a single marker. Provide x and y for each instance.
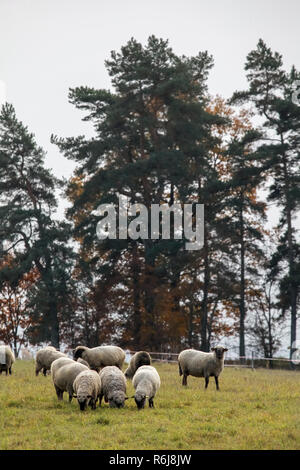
(252, 360)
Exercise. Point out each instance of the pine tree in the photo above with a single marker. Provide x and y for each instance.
(271, 90)
(27, 228)
(153, 136)
(247, 215)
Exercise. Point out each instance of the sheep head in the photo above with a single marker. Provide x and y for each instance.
(77, 352)
(219, 351)
(83, 400)
(117, 399)
(140, 399)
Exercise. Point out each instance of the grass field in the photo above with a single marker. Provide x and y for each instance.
(253, 410)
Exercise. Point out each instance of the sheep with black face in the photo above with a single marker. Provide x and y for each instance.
(140, 358)
(146, 382)
(87, 387)
(202, 364)
(113, 387)
(100, 356)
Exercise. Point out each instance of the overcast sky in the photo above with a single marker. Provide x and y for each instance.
(47, 46)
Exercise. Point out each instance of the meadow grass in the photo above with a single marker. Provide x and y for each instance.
(253, 410)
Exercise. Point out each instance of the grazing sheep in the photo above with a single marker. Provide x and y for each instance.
(63, 377)
(87, 387)
(58, 363)
(202, 364)
(82, 361)
(7, 358)
(141, 358)
(113, 387)
(146, 382)
(101, 356)
(45, 357)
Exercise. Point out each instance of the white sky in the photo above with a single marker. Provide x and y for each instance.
(47, 46)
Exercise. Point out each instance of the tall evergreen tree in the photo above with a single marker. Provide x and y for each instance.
(271, 90)
(27, 227)
(153, 137)
(246, 216)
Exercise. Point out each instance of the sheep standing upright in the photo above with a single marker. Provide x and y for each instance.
(45, 357)
(146, 382)
(113, 387)
(7, 358)
(101, 356)
(202, 364)
(141, 358)
(87, 388)
(58, 363)
(63, 377)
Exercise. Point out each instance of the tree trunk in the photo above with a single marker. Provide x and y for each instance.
(292, 288)
(137, 321)
(151, 335)
(191, 325)
(242, 287)
(54, 324)
(204, 309)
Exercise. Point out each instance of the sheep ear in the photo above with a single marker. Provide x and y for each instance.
(74, 396)
(225, 349)
(213, 349)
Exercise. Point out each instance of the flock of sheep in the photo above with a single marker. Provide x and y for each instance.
(97, 372)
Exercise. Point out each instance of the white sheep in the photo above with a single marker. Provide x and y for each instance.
(101, 356)
(45, 357)
(63, 377)
(82, 361)
(202, 364)
(141, 358)
(113, 387)
(58, 363)
(87, 388)
(7, 358)
(146, 382)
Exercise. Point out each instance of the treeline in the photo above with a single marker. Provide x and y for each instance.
(159, 138)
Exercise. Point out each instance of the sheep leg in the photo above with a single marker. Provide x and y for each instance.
(59, 393)
(9, 371)
(151, 404)
(217, 382)
(184, 379)
(206, 382)
(70, 396)
(6, 371)
(100, 400)
(44, 372)
(93, 403)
